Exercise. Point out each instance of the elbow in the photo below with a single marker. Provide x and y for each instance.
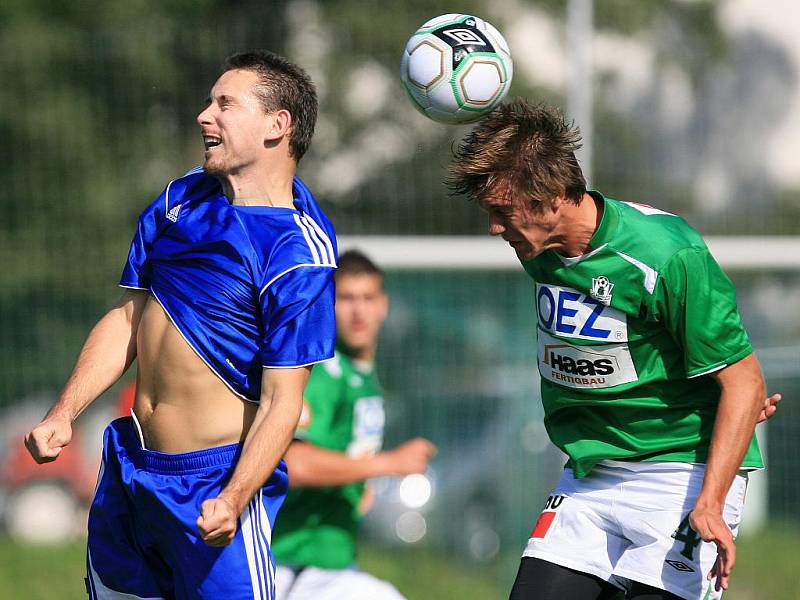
(296, 466)
(757, 392)
(297, 476)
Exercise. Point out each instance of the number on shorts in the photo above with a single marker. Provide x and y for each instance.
(684, 533)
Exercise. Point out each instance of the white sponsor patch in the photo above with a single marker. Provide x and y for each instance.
(584, 367)
(569, 313)
(368, 422)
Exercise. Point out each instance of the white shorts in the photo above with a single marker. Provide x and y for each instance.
(629, 522)
(313, 583)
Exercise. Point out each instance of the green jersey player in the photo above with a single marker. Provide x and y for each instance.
(649, 383)
(337, 448)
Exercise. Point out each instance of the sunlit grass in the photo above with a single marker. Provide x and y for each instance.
(768, 568)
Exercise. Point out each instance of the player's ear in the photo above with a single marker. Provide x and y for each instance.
(278, 125)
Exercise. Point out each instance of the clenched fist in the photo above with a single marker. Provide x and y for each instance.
(217, 522)
(48, 438)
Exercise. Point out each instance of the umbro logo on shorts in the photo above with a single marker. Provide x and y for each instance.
(680, 566)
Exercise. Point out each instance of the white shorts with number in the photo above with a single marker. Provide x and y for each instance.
(629, 522)
(312, 583)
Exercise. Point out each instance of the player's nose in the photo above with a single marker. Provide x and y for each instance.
(204, 116)
(495, 226)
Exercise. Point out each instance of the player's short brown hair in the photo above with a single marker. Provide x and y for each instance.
(283, 85)
(355, 262)
(526, 150)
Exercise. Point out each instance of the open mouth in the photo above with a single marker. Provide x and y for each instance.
(211, 141)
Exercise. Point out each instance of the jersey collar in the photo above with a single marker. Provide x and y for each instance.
(608, 223)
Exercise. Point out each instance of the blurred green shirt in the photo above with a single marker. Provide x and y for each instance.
(342, 411)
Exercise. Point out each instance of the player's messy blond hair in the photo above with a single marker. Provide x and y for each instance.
(523, 150)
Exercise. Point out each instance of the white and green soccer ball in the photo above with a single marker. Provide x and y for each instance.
(456, 68)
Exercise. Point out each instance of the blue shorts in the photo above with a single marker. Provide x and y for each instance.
(143, 537)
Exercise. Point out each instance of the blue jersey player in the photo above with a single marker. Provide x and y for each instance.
(228, 303)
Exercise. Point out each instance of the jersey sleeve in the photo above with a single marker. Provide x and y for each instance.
(697, 303)
(137, 270)
(164, 209)
(299, 322)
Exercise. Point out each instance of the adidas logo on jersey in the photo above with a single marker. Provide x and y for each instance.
(172, 215)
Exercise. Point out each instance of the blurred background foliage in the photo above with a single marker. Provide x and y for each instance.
(695, 111)
(100, 97)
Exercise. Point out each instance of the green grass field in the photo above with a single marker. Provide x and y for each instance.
(768, 569)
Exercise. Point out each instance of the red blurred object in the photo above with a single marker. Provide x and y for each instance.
(126, 398)
(75, 471)
(71, 469)
(47, 503)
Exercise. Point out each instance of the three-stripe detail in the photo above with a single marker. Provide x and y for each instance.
(318, 241)
(319, 246)
(257, 533)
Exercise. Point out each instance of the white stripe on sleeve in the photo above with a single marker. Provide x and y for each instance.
(323, 237)
(311, 245)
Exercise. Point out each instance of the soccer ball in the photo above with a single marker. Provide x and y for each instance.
(456, 68)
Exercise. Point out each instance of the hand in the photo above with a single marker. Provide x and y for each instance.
(770, 406)
(710, 526)
(217, 522)
(46, 441)
(409, 457)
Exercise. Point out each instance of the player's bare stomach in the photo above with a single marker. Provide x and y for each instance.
(181, 404)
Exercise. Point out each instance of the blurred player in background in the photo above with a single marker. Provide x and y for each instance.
(228, 301)
(338, 447)
(649, 382)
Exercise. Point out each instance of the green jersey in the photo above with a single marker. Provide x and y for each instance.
(342, 411)
(628, 335)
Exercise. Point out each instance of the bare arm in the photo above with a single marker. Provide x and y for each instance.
(310, 465)
(107, 353)
(741, 401)
(269, 435)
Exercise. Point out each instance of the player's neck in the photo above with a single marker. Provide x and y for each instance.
(580, 222)
(259, 186)
(364, 366)
(364, 356)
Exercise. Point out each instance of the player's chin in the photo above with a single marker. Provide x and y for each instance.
(213, 167)
(525, 252)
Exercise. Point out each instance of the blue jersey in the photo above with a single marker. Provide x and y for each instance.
(246, 286)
